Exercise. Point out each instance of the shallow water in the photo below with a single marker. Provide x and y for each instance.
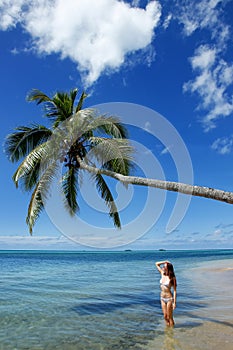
(109, 300)
(209, 326)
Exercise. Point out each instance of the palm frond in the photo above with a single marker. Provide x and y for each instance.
(104, 125)
(73, 95)
(112, 127)
(113, 154)
(65, 106)
(70, 187)
(121, 166)
(85, 117)
(108, 198)
(58, 107)
(77, 127)
(21, 142)
(80, 102)
(29, 181)
(86, 121)
(28, 170)
(35, 207)
(39, 194)
(38, 96)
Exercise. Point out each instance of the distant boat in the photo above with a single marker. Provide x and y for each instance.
(128, 250)
(162, 250)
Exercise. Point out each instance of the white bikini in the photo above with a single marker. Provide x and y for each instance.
(167, 285)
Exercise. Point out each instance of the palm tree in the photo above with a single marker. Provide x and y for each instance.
(193, 190)
(80, 140)
(74, 136)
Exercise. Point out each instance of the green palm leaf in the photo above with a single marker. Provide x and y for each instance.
(80, 102)
(70, 188)
(103, 124)
(108, 198)
(20, 143)
(34, 208)
(111, 126)
(38, 96)
(113, 154)
(60, 107)
(55, 107)
(28, 170)
(39, 194)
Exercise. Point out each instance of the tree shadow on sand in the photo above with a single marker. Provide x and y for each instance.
(210, 319)
(114, 302)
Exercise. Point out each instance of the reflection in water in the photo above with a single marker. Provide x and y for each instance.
(170, 342)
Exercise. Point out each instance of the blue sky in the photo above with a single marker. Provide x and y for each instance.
(174, 57)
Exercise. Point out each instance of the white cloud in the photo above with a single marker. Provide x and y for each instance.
(136, 3)
(15, 51)
(204, 14)
(223, 145)
(214, 74)
(217, 232)
(214, 77)
(11, 12)
(37, 242)
(96, 35)
(204, 59)
(167, 21)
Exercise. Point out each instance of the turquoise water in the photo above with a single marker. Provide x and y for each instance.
(92, 300)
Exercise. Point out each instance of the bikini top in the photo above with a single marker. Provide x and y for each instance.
(165, 284)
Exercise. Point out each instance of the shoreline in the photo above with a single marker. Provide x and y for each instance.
(210, 326)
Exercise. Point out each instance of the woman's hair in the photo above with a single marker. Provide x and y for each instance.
(170, 273)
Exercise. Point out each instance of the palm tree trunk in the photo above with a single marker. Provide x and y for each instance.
(198, 191)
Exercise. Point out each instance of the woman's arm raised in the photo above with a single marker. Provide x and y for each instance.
(158, 263)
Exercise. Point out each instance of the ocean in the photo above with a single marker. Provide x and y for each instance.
(110, 300)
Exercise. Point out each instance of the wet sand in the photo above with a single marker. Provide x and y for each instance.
(210, 326)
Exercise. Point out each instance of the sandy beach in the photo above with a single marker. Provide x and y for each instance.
(209, 327)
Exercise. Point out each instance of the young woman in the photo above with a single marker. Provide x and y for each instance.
(167, 282)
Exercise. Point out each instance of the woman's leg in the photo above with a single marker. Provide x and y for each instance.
(165, 312)
(170, 313)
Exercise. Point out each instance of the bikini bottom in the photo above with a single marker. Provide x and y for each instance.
(166, 300)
